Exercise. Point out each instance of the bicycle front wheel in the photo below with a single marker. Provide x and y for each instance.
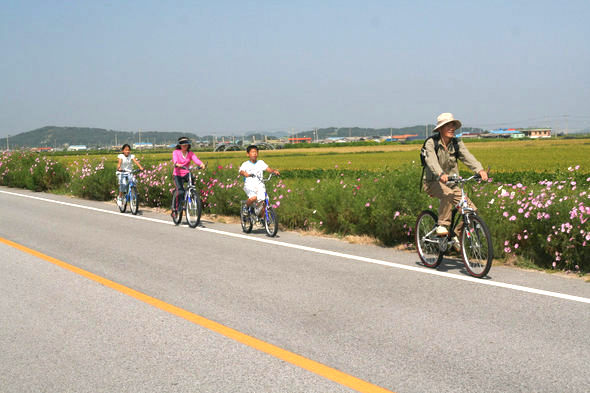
(476, 246)
(176, 218)
(133, 203)
(271, 222)
(193, 208)
(122, 204)
(426, 240)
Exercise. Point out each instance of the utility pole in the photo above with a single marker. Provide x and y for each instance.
(7, 146)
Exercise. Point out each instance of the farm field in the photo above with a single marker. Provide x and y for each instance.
(501, 156)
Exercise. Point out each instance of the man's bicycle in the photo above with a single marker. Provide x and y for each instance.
(475, 240)
(130, 193)
(191, 203)
(249, 215)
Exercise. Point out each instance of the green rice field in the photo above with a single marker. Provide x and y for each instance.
(502, 156)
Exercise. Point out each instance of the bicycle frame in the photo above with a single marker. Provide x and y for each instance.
(462, 205)
(266, 201)
(189, 185)
(130, 182)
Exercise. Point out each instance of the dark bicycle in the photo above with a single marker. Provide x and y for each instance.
(475, 240)
(191, 204)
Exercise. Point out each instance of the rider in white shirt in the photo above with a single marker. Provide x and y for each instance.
(125, 164)
(253, 170)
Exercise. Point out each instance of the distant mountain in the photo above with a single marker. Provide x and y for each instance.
(54, 136)
(419, 130)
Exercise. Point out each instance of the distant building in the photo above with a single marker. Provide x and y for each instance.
(504, 133)
(41, 149)
(299, 140)
(536, 132)
(401, 138)
(519, 133)
(77, 147)
(143, 145)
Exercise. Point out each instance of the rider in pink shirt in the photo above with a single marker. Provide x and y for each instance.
(182, 156)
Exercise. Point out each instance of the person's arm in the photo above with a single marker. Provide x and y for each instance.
(432, 161)
(197, 161)
(470, 161)
(119, 165)
(137, 163)
(175, 158)
(274, 171)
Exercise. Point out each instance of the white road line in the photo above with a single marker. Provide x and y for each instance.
(328, 252)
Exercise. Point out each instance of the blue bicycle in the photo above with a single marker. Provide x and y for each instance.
(250, 215)
(130, 192)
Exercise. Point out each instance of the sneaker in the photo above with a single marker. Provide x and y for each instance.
(119, 201)
(441, 231)
(456, 245)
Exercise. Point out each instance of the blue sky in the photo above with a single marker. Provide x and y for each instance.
(230, 67)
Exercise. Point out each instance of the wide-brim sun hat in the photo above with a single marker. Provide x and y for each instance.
(446, 118)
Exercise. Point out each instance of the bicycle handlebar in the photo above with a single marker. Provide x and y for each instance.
(128, 172)
(456, 179)
(261, 178)
(205, 164)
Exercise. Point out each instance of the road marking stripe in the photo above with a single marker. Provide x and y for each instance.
(332, 253)
(280, 353)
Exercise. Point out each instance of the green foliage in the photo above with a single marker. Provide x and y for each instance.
(93, 179)
(31, 171)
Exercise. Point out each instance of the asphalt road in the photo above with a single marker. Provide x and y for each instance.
(370, 312)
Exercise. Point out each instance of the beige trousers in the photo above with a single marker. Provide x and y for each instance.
(449, 197)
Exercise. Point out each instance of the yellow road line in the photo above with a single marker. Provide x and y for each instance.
(290, 357)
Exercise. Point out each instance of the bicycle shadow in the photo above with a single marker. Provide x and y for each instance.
(452, 264)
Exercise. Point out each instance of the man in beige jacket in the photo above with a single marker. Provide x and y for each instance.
(440, 166)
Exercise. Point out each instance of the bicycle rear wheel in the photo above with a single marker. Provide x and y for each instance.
(193, 208)
(133, 203)
(476, 246)
(271, 222)
(426, 239)
(178, 217)
(245, 218)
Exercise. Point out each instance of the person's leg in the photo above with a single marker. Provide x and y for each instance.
(251, 194)
(120, 183)
(260, 196)
(179, 184)
(448, 198)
